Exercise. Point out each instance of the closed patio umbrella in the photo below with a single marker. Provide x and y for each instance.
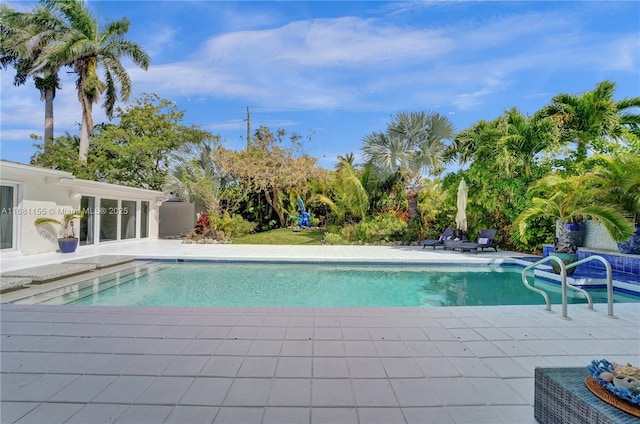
(461, 216)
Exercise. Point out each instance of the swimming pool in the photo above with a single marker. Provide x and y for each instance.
(200, 284)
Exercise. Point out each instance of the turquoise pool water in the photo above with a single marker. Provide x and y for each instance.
(308, 285)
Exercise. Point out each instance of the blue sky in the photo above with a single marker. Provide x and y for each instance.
(339, 70)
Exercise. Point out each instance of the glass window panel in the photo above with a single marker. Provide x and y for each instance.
(108, 219)
(128, 219)
(88, 221)
(144, 219)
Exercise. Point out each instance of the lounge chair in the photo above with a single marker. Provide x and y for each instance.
(448, 234)
(484, 240)
(487, 239)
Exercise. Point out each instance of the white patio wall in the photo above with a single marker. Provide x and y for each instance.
(177, 218)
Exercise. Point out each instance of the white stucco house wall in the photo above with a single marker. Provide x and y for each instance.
(113, 213)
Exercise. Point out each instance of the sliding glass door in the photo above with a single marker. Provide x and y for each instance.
(88, 221)
(7, 220)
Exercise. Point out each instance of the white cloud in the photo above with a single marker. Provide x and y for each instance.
(20, 134)
(156, 40)
(473, 100)
(347, 41)
(380, 64)
(351, 62)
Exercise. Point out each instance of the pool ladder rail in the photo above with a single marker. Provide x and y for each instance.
(564, 284)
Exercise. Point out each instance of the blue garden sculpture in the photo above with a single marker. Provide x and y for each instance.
(304, 220)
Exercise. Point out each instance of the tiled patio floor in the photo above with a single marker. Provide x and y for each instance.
(66, 364)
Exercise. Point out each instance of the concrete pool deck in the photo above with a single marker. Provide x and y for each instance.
(66, 364)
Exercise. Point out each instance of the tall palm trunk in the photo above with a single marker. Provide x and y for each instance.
(48, 95)
(412, 200)
(412, 189)
(84, 133)
(88, 90)
(47, 86)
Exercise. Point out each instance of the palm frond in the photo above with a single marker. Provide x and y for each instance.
(612, 219)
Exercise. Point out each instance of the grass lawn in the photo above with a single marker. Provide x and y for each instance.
(283, 236)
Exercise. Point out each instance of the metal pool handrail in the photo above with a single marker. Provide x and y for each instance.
(564, 284)
(537, 290)
(607, 267)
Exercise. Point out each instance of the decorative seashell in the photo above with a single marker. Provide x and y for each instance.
(628, 370)
(630, 383)
(606, 376)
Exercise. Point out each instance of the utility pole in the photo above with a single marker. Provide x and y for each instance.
(248, 127)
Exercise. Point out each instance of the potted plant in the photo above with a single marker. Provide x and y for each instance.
(564, 248)
(576, 232)
(67, 241)
(569, 199)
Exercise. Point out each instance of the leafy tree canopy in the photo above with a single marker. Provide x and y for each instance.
(594, 121)
(273, 164)
(135, 152)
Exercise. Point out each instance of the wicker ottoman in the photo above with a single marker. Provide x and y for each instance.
(561, 397)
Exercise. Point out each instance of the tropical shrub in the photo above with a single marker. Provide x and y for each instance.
(435, 212)
(416, 229)
(332, 238)
(539, 231)
(315, 221)
(385, 227)
(232, 226)
(220, 227)
(349, 232)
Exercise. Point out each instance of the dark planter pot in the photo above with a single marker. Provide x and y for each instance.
(567, 258)
(576, 232)
(68, 245)
(632, 246)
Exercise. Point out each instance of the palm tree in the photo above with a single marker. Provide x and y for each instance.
(196, 176)
(521, 139)
(589, 119)
(348, 197)
(347, 159)
(617, 179)
(23, 37)
(413, 143)
(86, 48)
(509, 143)
(568, 199)
(628, 119)
(468, 143)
